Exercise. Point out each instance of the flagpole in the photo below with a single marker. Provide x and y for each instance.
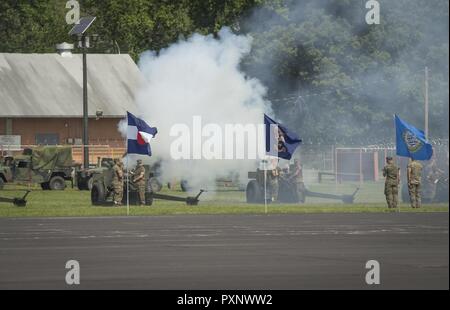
(396, 161)
(128, 191)
(265, 186)
(426, 103)
(128, 181)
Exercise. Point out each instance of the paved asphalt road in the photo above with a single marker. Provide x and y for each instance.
(307, 251)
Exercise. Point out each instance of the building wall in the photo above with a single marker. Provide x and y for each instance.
(101, 132)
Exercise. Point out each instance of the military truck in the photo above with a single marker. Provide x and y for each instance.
(83, 177)
(6, 171)
(287, 192)
(102, 190)
(49, 166)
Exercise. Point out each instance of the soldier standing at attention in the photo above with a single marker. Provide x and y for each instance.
(414, 175)
(272, 176)
(296, 176)
(392, 174)
(139, 180)
(118, 182)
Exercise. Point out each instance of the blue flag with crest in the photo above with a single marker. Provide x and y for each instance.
(411, 142)
(280, 141)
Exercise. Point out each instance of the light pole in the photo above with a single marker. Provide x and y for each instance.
(84, 46)
(83, 42)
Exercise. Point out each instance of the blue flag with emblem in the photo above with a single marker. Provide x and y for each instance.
(280, 141)
(411, 142)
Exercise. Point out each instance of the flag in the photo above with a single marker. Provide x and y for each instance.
(411, 142)
(280, 141)
(139, 134)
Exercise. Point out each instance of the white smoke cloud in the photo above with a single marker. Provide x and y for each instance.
(199, 76)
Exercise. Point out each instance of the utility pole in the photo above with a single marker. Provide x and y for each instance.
(85, 43)
(426, 103)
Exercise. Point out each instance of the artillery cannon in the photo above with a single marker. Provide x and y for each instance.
(102, 190)
(84, 177)
(287, 192)
(434, 190)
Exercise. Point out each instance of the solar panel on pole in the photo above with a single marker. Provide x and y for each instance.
(83, 24)
(80, 30)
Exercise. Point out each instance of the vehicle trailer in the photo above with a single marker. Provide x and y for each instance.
(287, 191)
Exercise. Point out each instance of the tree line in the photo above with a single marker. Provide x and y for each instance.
(330, 75)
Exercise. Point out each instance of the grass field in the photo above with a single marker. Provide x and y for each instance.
(72, 202)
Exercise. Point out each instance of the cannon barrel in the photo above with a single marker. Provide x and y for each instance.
(344, 198)
(192, 201)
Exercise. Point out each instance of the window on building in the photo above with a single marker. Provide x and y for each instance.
(47, 139)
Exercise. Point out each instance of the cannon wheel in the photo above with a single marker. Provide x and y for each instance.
(184, 185)
(156, 186)
(98, 196)
(148, 199)
(253, 192)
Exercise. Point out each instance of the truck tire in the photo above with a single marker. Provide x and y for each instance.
(253, 192)
(156, 186)
(2, 183)
(98, 196)
(45, 186)
(57, 183)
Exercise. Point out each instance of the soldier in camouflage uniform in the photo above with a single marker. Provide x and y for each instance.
(296, 178)
(272, 176)
(118, 182)
(392, 174)
(139, 180)
(414, 175)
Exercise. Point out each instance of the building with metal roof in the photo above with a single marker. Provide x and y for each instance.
(41, 97)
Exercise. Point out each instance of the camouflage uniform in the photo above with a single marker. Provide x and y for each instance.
(139, 180)
(272, 177)
(391, 172)
(297, 179)
(118, 183)
(414, 180)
